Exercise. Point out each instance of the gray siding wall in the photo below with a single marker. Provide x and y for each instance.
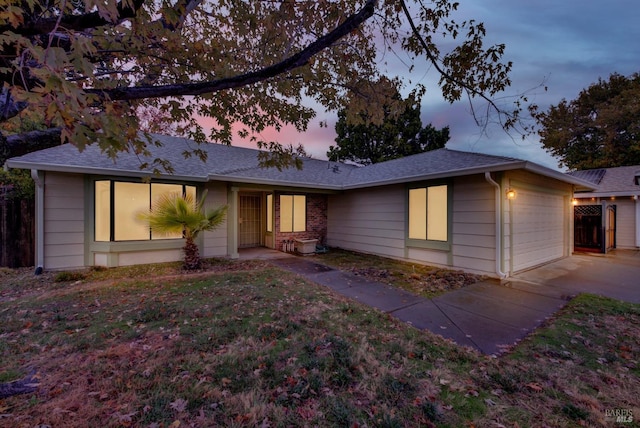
(63, 221)
(368, 220)
(474, 225)
(374, 221)
(625, 222)
(64, 228)
(215, 242)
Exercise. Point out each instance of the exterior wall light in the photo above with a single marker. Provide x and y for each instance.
(574, 201)
(511, 194)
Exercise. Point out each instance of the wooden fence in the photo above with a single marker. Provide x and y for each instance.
(17, 230)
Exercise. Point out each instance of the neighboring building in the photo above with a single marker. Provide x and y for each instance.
(608, 216)
(485, 214)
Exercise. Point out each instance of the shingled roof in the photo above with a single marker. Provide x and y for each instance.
(620, 181)
(241, 165)
(591, 175)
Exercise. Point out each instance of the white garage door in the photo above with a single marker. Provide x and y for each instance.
(539, 228)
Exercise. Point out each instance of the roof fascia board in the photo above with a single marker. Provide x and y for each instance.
(253, 186)
(267, 182)
(100, 171)
(517, 164)
(584, 195)
(543, 170)
(440, 175)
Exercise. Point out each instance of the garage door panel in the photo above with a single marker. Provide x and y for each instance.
(538, 226)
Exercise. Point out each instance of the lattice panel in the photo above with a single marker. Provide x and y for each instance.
(588, 210)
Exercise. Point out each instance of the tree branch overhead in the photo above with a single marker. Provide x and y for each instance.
(89, 69)
(297, 60)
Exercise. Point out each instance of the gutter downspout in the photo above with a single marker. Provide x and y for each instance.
(636, 199)
(37, 178)
(487, 176)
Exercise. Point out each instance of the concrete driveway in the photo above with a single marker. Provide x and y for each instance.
(615, 275)
(491, 317)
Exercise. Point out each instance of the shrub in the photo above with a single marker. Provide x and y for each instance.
(69, 276)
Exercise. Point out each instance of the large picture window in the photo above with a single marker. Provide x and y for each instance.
(293, 213)
(428, 213)
(117, 204)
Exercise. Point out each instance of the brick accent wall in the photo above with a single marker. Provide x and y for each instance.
(316, 227)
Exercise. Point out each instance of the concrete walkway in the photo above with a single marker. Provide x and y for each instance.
(487, 315)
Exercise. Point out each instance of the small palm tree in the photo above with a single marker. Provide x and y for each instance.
(174, 212)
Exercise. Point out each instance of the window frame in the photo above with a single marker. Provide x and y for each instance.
(112, 218)
(270, 210)
(430, 243)
(293, 212)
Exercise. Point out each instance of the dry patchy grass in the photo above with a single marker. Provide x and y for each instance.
(250, 345)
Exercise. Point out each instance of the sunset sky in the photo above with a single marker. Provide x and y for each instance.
(564, 45)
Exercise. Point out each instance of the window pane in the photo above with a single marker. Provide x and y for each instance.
(417, 213)
(269, 213)
(437, 213)
(157, 191)
(286, 213)
(129, 199)
(102, 211)
(299, 213)
(191, 190)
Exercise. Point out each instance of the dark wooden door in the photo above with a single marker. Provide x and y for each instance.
(588, 228)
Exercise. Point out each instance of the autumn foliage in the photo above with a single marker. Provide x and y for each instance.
(89, 67)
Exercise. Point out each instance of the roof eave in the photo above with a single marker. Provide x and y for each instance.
(507, 166)
(543, 170)
(602, 194)
(99, 171)
(269, 182)
(440, 175)
(517, 164)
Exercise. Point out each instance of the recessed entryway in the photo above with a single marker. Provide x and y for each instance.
(249, 220)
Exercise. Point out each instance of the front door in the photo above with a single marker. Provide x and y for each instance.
(249, 224)
(610, 228)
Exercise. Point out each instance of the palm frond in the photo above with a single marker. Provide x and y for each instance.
(174, 213)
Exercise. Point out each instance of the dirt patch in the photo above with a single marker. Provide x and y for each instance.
(425, 280)
(442, 279)
(432, 282)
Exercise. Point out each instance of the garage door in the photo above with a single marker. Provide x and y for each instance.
(538, 227)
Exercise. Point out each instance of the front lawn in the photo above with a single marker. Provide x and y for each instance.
(252, 345)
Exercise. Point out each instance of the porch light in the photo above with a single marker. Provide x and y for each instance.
(511, 194)
(574, 201)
